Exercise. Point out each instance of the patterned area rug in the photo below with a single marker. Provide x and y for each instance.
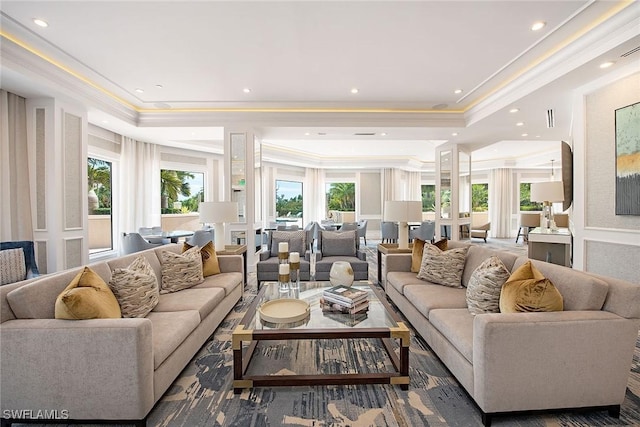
(203, 395)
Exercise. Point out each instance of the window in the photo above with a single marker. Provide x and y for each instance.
(525, 198)
(341, 196)
(99, 174)
(480, 197)
(180, 192)
(289, 202)
(428, 197)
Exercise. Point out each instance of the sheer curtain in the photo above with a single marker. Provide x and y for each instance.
(314, 198)
(414, 189)
(500, 202)
(139, 186)
(15, 209)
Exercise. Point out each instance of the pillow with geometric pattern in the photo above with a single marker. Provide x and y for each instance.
(485, 284)
(443, 267)
(181, 271)
(135, 287)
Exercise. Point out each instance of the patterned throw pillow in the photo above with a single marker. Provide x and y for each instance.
(181, 271)
(135, 287)
(12, 266)
(443, 267)
(527, 290)
(335, 243)
(295, 239)
(485, 284)
(210, 264)
(418, 250)
(87, 297)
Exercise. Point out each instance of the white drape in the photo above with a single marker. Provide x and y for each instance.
(414, 188)
(500, 202)
(139, 186)
(15, 208)
(314, 200)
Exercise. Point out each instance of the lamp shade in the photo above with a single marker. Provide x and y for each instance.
(552, 191)
(218, 212)
(402, 211)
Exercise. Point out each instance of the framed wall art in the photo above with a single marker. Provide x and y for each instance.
(627, 124)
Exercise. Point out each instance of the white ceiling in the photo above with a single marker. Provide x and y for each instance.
(302, 58)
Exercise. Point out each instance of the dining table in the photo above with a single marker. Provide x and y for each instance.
(173, 236)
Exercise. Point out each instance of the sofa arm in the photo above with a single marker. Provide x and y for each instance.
(398, 262)
(265, 255)
(98, 369)
(568, 359)
(361, 255)
(230, 263)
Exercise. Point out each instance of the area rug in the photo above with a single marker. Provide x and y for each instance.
(203, 394)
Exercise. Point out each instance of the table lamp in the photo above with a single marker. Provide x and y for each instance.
(218, 213)
(403, 212)
(547, 193)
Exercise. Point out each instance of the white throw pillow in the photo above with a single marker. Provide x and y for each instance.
(181, 271)
(135, 287)
(12, 266)
(443, 267)
(485, 284)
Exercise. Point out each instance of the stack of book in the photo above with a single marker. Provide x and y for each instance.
(341, 299)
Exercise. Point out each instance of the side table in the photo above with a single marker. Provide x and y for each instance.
(550, 246)
(386, 249)
(236, 250)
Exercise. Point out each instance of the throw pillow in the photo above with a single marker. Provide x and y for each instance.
(295, 239)
(443, 267)
(181, 271)
(485, 284)
(87, 297)
(210, 264)
(418, 251)
(335, 243)
(135, 287)
(527, 290)
(12, 266)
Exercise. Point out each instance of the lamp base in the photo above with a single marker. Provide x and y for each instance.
(403, 235)
(219, 236)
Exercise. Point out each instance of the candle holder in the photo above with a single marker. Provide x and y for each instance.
(294, 265)
(283, 253)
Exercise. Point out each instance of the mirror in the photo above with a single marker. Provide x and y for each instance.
(257, 178)
(464, 185)
(445, 184)
(238, 173)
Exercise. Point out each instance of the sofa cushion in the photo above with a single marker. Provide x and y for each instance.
(400, 279)
(527, 290)
(417, 252)
(295, 239)
(483, 290)
(135, 287)
(12, 266)
(210, 264)
(443, 267)
(181, 271)
(478, 254)
(170, 329)
(579, 290)
(457, 326)
(226, 281)
(338, 243)
(87, 297)
(356, 263)
(426, 297)
(203, 300)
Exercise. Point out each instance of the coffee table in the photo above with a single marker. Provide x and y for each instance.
(381, 322)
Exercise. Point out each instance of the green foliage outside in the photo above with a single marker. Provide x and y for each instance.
(341, 196)
(480, 197)
(288, 207)
(174, 184)
(428, 198)
(101, 211)
(525, 198)
(99, 180)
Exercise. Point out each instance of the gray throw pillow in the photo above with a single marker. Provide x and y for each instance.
(339, 244)
(295, 239)
(485, 284)
(443, 267)
(135, 287)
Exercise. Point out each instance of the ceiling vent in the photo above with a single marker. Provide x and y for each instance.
(631, 52)
(551, 121)
(364, 133)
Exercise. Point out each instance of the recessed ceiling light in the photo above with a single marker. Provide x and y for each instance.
(607, 64)
(525, 134)
(105, 121)
(457, 91)
(40, 22)
(538, 25)
(520, 124)
(383, 134)
(307, 134)
(514, 110)
(537, 136)
(354, 90)
(454, 134)
(139, 90)
(159, 86)
(246, 90)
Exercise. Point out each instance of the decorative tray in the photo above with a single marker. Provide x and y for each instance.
(284, 310)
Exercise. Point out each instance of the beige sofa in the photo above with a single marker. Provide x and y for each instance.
(509, 362)
(104, 369)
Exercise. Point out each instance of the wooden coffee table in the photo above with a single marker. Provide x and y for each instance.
(381, 322)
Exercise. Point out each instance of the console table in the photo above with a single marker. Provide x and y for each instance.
(236, 250)
(389, 248)
(552, 246)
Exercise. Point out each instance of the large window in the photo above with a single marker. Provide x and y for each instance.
(100, 220)
(289, 202)
(341, 196)
(181, 192)
(525, 198)
(428, 197)
(480, 197)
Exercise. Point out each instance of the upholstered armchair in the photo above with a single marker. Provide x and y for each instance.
(481, 231)
(267, 267)
(340, 246)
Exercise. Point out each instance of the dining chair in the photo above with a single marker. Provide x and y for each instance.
(362, 230)
(201, 238)
(389, 231)
(134, 242)
(528, 220)
(348, 226)
(425, 232)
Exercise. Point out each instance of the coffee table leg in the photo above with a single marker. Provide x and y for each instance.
(237, 369)
(404, 364)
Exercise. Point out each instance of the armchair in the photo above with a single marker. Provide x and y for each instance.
(481, 231)
(339, 246)
(267, 267)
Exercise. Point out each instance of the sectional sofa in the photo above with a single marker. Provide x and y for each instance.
(508, 362)
(104, 369)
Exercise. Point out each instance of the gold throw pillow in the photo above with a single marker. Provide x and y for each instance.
(418, 251)
(210, 264)
(87, 297)
(527, 290)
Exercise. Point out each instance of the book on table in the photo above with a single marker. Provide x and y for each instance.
(327, 305)
(348, 319)
(345, 295)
